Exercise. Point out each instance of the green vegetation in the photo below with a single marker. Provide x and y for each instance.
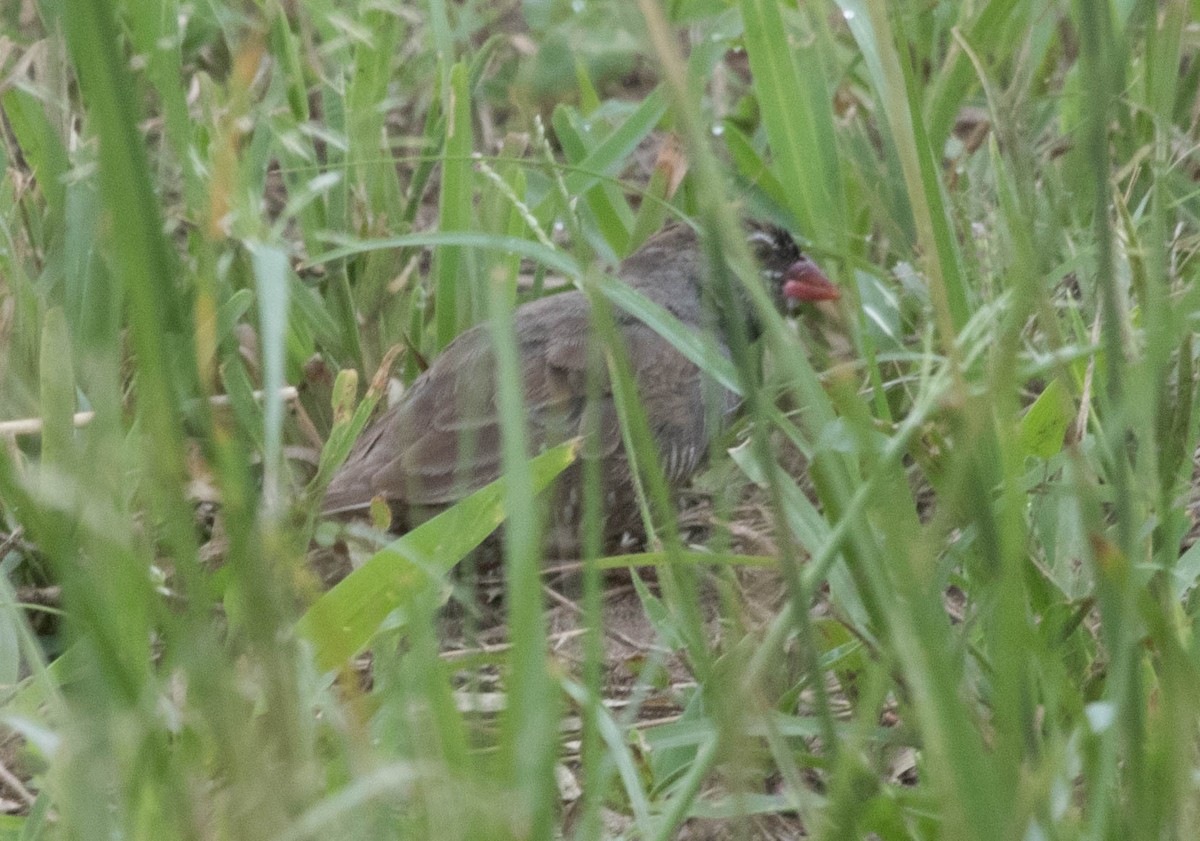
(987, 617)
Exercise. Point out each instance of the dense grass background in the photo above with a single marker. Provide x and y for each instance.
(206, 198)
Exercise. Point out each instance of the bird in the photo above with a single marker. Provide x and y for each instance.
(442, 440)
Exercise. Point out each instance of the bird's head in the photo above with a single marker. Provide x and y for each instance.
(796, 284)
(801, 289)
(794, 279)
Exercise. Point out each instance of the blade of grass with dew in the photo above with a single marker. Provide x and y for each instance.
(610, 152)
(870, 21)
(608, 208)
(798, 120)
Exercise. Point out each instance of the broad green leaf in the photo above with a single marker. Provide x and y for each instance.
(608, 154)
(342, 622)
(798, 119)
(604, 201)
(1041, 430)
(39, 143)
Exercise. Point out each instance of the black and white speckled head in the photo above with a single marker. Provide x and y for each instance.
(674, 255)
(790, 275)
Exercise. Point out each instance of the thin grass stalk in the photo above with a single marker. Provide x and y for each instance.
(529, 739)
(591, 539)
(1121, 756)
(454, 286)
(679, 583)
(721, 244)
(142, 254)
(144, 261)
(1012, 636)
(1171, 757)
(874, 29)
(799, 123)
(688, 789)
(950, 86)
(366, 92)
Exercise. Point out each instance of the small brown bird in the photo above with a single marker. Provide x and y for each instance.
(441, 441)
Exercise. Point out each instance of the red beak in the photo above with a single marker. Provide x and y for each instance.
(804, 281)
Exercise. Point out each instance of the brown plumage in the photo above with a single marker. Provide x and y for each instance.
(441, 441)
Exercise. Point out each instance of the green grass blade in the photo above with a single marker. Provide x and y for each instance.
(342, 622)
(456, 308)
(797, 116)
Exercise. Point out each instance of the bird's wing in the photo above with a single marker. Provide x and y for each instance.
(443, 440)
(674, 394)
(683, 407)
